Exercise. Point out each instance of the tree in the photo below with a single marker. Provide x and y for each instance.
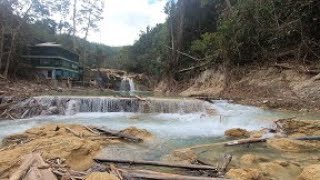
(62, 9)
(91, 13)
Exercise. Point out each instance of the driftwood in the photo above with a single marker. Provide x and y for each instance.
(146, 174)
(33, 166)
(5, 106)
(224, 161)
(91, 130)
(73, 132)
(308, 138)
(245, 141)
(140, 98)
(118, 134)
(24, 168)
(157, 163)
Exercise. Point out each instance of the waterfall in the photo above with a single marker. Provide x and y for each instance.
(132, 86)
(127, 84)
(69, 105)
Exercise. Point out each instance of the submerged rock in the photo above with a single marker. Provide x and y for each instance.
(250, 159)
(237, 132)
(280, 169)
(311, 172)
(182, 156)
(101, 176)
(290, 145)
(245, 174)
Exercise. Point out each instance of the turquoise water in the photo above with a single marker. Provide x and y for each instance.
(171, 130)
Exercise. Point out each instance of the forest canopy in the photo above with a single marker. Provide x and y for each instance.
(197, 35)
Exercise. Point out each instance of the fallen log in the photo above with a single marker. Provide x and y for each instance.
(308, 138)
(118, 134)
(245, 141)
(156, 163)
(146, 174)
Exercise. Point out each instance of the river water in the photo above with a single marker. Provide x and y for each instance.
(171, 130)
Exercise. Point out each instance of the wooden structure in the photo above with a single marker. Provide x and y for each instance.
(51, 61)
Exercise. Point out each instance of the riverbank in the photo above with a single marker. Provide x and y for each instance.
(275, 87)
(288, 152)
(63, 147)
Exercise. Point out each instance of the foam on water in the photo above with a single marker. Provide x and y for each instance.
(171, 130)
(164, 125)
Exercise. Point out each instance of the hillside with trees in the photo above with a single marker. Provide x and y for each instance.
(227, 35)
(204, 48)
(25, 23)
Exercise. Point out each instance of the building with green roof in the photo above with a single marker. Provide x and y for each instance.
(52, 61)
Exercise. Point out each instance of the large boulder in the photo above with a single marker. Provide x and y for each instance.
(311, 172)
(236, 133)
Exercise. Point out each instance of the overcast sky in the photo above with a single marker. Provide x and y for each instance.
(123, 20)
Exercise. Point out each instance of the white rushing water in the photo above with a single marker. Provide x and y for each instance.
(171, 130)
(182, 125)
(127, 84)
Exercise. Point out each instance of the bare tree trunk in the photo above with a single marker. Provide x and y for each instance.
(180, 30)
(228, 4)
(74, 23)
(88, 27)
(13, 39)
(1, 45)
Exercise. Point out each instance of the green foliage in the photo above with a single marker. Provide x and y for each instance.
(148, 54)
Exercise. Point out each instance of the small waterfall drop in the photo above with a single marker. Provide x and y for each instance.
(69, 105)
(132, 86)
(127, 84)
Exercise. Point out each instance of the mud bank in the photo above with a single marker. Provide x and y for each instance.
(273, 87)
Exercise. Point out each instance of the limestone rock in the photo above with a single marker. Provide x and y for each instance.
(138, 133)
(244, 174)
(249, 159)
(310, 173)
(236, 132)
(101, 176)
(256, 134)
(280, 169)
(290, 145)
(182, 156)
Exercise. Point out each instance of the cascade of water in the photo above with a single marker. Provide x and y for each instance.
(127, 84)
(132, 85)
(73, 104)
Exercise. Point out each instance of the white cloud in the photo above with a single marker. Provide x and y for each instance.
(123, 20)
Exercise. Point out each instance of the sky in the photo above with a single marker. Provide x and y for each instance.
(124, 19)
